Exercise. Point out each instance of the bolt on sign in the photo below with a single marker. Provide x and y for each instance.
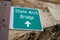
(25, 19)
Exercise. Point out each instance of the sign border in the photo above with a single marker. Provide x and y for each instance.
(12, 16)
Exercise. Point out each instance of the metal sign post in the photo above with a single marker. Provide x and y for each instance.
(4, 19)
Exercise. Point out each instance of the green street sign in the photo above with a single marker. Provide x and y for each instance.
(25, 19)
